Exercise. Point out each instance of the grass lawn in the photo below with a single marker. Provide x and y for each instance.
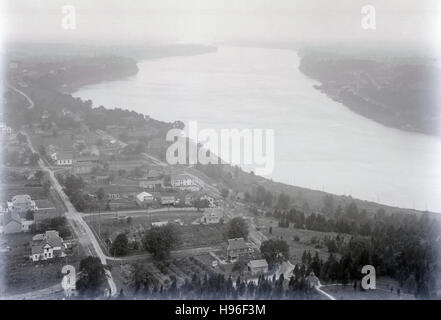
(8, 191)
(307, 239)
(348, 293)
(192, 236)
(114, 226)
(22, 274)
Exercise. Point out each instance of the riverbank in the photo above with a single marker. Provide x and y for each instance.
(399, 94)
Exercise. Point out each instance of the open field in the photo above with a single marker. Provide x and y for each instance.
(341, 292)
(298, 240)
(10, 190)
(24, 275)
(192, 236)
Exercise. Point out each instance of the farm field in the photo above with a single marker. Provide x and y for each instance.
(192, 235)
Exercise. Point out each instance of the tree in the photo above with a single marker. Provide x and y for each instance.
(283, 201)
(159, 241)
(328, 204)
(100, 194)
(39, 174)
(142, 279)
(29, 215)
(120, 245)
(42, 150)
(33, 159)
(46, 187)
(275, 251)
(21, 138)
(201, 204)
(237, 228)
(92, 277)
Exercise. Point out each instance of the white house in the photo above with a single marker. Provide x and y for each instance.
(22, 203)
(211, 216)
(159, 223)
(184, 182)
(144, 199)
(168, 200)
(47, 245)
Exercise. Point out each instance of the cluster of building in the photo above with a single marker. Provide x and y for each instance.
(18, 215)
(239, 248)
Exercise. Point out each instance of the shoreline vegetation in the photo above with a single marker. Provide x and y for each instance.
(395, 93)
(53, 79)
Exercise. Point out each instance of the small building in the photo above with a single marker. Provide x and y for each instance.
(87, 159)
(21, 204)
(190, 198)
(151, 184)
(184, 182)
(168, 200)
(211, 216)
(210, 200)
(159, 223)
(144, 199)
(48, 245)
(113, 196)
(64, 158)
(237, 247)
(12, 223)
(257, 267)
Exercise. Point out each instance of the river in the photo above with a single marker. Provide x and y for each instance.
(319, 143)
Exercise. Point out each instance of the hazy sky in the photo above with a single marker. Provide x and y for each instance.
(190, 20)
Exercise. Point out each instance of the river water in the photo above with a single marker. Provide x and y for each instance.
(319, 143)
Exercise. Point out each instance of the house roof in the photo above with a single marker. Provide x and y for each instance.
(11, 217)
(21, 198)
(142, 195)
(261, 263)
(51, 238)
(236, 243)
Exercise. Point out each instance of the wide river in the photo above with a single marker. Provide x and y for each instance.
(319, 143)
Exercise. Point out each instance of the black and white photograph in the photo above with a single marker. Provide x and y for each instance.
(220, 150)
